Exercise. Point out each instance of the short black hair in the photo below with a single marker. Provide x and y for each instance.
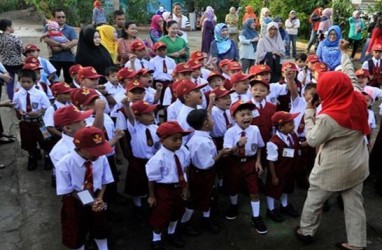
(196, 118)
(118, 13)
(57, 10)
(301, 56)
(169, 23)
(310, 86)
(28, 73)
(243, 107)
(4, 23)
(110, 70)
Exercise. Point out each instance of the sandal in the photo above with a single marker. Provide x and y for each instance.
(5, 140)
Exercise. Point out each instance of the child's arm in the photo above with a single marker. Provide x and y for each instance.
(289, 78)
(43, 36)
(54, 131)
(259, 166)
(119, 134)
(275, 180)
(128, 110)
(211, 102)
(158, 93)
(151, 200)
(99, 108)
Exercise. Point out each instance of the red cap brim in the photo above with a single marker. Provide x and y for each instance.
(100, 150)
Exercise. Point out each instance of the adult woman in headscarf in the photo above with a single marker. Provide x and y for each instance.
(264, 20)
(11, 49)
(341, 165)
(328, 50)
(156, 28)
(271, 50)
(208, 27)
(250, 14)
(232, 21)
(357, 25)
(248, 44)
(223, 47)
(91, 52)
(109, 39)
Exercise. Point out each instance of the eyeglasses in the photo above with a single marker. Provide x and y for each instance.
(59, 17)
(332, 34)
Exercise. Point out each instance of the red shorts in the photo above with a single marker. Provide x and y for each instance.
(136, 178)
(201, 184)
(286, 182)
(169, 207)
(241, 170)
(30, 135)
(77, 220)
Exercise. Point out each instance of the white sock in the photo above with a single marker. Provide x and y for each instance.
(255, 208)
(233, 199)
(284, 200)
(206, 214)
(220, 182)
(270, 203)
(157, 237)
(171, 227)
(137, 201)
(101, 244)
(80, 248)
(187, 215)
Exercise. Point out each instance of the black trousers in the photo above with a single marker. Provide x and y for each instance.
(65, 68)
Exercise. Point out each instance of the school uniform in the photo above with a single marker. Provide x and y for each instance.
(205, 73)
(144, 144)
(168, 96)
(374, 66)
(173, 110)
(201, 174)
(161, 73)
(244, 97)
(114, 89)
(102, 97)
(241, 167)
(63, 147)
(283, 151)
(306, 74)
(138, 64)
(75, 85)
(275, 90)
(283, 99)
(30, 132)
(182, 120)
(162, 169)
(150, 95)
(262, 118)
(78, 220)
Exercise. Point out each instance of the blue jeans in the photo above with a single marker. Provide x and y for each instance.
(293, 40)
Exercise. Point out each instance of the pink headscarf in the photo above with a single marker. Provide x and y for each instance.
(154, 23)
(209, 14)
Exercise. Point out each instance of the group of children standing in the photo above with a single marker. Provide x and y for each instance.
(185, 129)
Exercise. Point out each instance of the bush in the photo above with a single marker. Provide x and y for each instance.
(8, 5)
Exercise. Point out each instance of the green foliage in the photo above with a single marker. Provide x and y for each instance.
(137, 10)
(221, 7)
(8, 5)
(343, 9)
(76, 11)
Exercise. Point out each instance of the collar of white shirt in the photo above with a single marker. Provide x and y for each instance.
(167, 152)
(238, 129)
(284, 137)
(202, 133)
(79, 159)
(258, 103)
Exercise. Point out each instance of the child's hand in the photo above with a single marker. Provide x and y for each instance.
(126, 101)
(152, 201)
(119, 133)
(99, 105)
(7, 103)
(34, 114)
(159, 86)
(132, 57)
(344, 45)
(185, 193)
(212, 97)
(225, 151)
(242, 141)
(98, 205)
(259, 168)
(102, 89)
(275, 181)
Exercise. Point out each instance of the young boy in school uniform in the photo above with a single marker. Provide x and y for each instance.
(152, 95)
(240, 86)
(73, 71)
(374, 66)
(232, 68)
(202, 58)
(113, 86)
(244, 164)
(31, 103)
(138, 62)
(305, 75)
(61, 91)
(168, 188)
(201, 173)
(86, 170)
(282, 154)
(144, 144)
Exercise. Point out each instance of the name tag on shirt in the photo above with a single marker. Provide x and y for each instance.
(288, 152)
(255, 113)
(85, 197)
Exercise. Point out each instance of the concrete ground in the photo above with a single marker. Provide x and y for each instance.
(30, 210)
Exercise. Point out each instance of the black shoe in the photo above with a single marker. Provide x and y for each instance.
(211, 225)
(37, 155)
(189, 229)
(48, 164)
(275, 215)
(258, 222)
(138, 213)
(176, 240)
(340, 202)
(157, 245)
(53, 181)
(32, 163)
(326, 207)
(232, 212)
(340, 245)
(289, 210)
(306, 239)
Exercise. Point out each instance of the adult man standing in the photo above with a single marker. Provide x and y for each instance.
(61, 55)
(119, 22)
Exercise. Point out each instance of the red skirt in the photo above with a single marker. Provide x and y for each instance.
(201, 184)
(136, 178)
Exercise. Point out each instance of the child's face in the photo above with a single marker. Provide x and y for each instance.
(216, 82)
(136, 95)
(377, 54)
(75, 77)
(243, 118)
(119, 20)
(147, 80)
(308, 95)
(33, 53)
(90, 83)
(72, 128)
(194, 98)
(112, 77)
(264, 76)
(140, 53)
(368, 100)
(146, 118)
(196, 73)
(259, 92)
(209, 123)
(224, 102)
(173, 142)
(310, 65)
(363, 80)
(26, 82)
(184, 76)
(233, 71)
(63, 98)
(241, 87)
(287, 128)
(87, 155)
(300, 63)
(161, 52)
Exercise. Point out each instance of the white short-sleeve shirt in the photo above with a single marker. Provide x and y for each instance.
(202, 150)
(254, 140)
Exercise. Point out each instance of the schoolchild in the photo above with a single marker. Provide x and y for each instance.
(369, 97)
(363, 77)
(31, 103)
(282, 154)
(42, 83)
(244, 164)
(305, 76)
(196, 75)
(240, 86)
(86, 170)
(223, 66)
(73, 71)
(300, 61)
(374, 66)
(168, 187)
(113, 86)
(138, 59)
(214, 80)
(233, 67)
(318, 69)
(202, 58)
(152, 95)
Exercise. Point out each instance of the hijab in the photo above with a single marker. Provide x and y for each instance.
(327, 42)
(223, 43)
(108, 38)
(249, 33)
(249, 14)
(88, 54)
(341, 102)
(154, 23)
(166, 16)
(275, 43)
(209, 15)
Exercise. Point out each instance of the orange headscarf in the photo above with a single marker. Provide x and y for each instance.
(250, 13)
(97, 4)
(339, 101)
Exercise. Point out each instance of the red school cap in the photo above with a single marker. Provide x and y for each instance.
(362, 72)
(240, 103)
(377, 47)
(61, 88)
(159, 45)
(320, 67)
(224, 62)
(32, 66)
(213, 74)
(137, 45)
(281, 117)
(183, 67)
(68, 115)
(195, 64)
(92, 140)
(221, 92)
(254, 81)
(259, 68)
(289, 65)
(198, 55)
(234, 66)
(167, 129)
(31, 59)
(83, 96)
(239, 76)
(142, 107)
(313, 58)
(186, 86)
(88, 73)
(30, 47)
(126, 73)
(74, 69)
(134, 85)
